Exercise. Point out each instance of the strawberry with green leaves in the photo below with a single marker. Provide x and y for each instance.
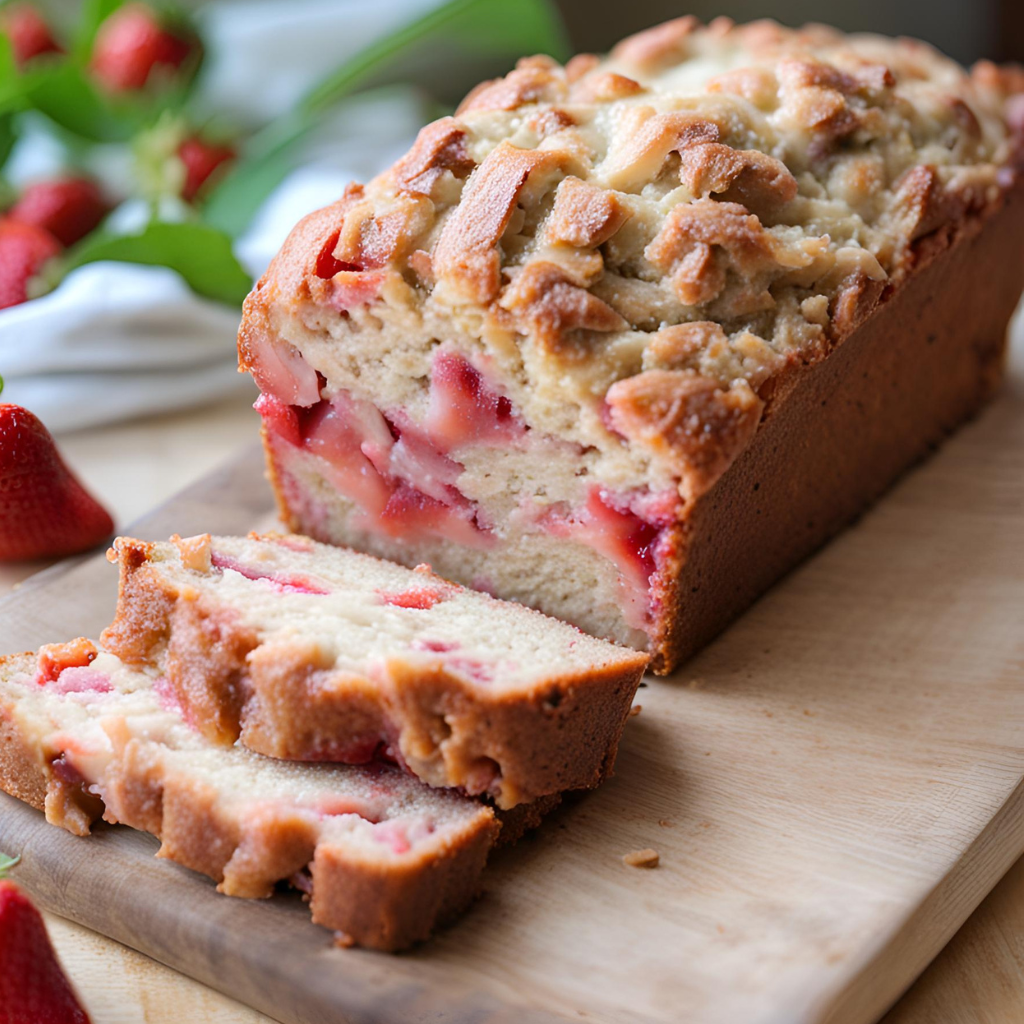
(135, 47)
(68, 207)
(202, 161)
(28, 32)
(24, 249)
(44, 511)
(33, 987)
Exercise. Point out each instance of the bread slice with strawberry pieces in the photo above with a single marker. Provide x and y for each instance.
(310, 652)
(384, 858)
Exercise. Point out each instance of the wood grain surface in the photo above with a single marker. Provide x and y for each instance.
(832, 787)
(117, 985)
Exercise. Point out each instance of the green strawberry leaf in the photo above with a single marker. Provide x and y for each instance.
(8, 136)
(6, 863)
(66, 95)
(201, 254)
(10, 79)
(478, 37)
(94, 13)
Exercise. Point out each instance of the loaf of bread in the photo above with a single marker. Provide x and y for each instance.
(314, 653)
(626, 339)
(383, 858)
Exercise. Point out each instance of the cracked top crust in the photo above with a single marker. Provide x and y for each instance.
(638, 245)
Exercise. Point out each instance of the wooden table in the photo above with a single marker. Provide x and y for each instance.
(979, 977)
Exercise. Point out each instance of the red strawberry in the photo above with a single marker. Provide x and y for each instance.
(44, 511)
(131, 43)
(24, 248)
(69, 208)
(201, 159)
(33, 988)
(28, 32)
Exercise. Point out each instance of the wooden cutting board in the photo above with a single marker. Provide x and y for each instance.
(832, 786)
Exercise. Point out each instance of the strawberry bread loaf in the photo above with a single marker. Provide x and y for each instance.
(309, 652)
(626, 339)
(383, 858)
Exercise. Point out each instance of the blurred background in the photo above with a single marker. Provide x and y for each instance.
(965, 29)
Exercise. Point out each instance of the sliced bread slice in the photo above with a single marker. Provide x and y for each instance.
(310, 652)
(384, 858)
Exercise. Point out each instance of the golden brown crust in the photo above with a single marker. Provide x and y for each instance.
(523, 818)
(699, 427)
(676, 346)
(576, 67)
(368, 240)
(654, 47)
(604, 88)
(545, 298)
(816, 87)
(466, 256)
(27, 771)
(294, 275)
(855, 300)
(584, 215)
(376, 902)
(144, 624)
(302, 710)
(393, 909)
(534, 80)
(23, 771)
(563, 735)
(758, 85)
(645, 140)
(702, 240)
(925, 205)
(721, 253)
(753, 179)
(836, 433)
(439, 147)
(204, 660)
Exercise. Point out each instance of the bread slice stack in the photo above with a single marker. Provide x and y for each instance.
(384, 858)
(313, 653)
(277, 710)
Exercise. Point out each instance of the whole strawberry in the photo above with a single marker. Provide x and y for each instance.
(133, 43)
(28, 32)
(33, 988)
(69, 208)
(24, 248)
(44, 511)
(201, 159)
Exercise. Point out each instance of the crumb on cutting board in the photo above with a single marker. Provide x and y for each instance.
(635, 710)
(642, 859)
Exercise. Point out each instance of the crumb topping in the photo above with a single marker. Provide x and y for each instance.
(708, 205)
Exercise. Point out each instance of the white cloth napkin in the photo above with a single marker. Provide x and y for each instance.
(118, 340)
